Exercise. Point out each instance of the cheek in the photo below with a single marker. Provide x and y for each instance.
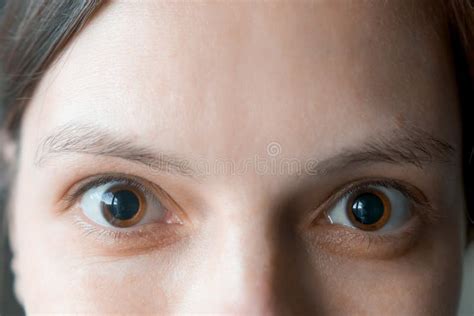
(53, 279)
(53, 275)
(381, 289)
(424, 281)
(103, 286)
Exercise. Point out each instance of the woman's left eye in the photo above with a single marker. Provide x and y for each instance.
(372, 208)
(121, 204)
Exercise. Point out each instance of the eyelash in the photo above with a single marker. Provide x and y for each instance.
(73, 196)
(366, 243)
(416, 197)
(148, 233)
(124, 240)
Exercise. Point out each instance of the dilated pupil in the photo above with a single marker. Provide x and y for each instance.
(122, 205)
(368, 208)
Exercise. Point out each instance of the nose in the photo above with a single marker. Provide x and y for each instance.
(232, 272)
(244, 266)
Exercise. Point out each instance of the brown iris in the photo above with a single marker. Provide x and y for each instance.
(369, 210)
(123, 206)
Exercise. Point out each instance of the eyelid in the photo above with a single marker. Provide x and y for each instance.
(74, 194)
(421, 204)
(93, 182)
(355, 243)
(130, 241)
(111, 242)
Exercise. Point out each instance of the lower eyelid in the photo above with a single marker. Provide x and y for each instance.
(126, 242)
(350, 242)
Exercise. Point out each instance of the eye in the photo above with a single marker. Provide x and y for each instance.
(372, 208)
(122, 204)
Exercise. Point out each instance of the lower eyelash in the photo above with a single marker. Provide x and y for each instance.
(130, 242)
(359, 244)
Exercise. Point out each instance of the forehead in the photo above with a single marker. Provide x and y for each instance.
(193, 75)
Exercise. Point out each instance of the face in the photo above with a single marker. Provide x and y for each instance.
(241, 158)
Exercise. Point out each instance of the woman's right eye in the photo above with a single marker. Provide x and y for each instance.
(122, 204)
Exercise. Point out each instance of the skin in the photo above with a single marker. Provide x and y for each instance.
(220, 81)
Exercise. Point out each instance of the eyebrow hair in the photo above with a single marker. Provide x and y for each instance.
(408, 145)
(88, 139)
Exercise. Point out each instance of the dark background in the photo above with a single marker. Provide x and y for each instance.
(8, 303)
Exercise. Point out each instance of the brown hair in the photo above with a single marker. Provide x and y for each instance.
(33, 33)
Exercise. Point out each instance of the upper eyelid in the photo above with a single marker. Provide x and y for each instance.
(428, 212)
(74, 192)
(389, 184)
(408, 190)
(86, 184)
(385, 184)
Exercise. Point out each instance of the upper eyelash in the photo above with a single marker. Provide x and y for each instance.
(73, 196)
(422, 205)
(149, 236)
(361, 187)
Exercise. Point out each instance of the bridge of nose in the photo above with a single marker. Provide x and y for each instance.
(250, 261)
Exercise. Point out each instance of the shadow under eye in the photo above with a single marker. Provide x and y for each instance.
(349, 242)
(97, 241)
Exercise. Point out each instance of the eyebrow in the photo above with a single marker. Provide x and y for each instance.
(409, 145)
(88, 139)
